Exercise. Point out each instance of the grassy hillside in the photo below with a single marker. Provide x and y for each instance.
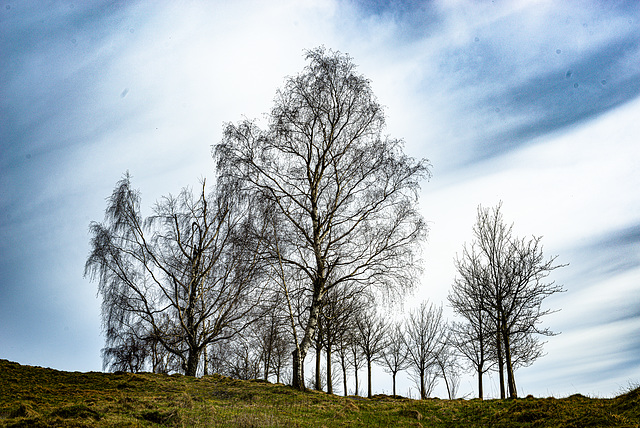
(33, 396)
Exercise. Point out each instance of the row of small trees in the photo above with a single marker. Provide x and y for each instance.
(359, 343)
(310, 222)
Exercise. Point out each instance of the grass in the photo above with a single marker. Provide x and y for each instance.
(38, 397)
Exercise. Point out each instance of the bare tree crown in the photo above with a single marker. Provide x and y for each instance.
(343, 196)
(500, 290)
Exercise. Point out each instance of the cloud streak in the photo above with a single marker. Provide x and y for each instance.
(596, 84)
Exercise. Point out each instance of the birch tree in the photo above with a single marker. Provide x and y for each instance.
(185, 277)
(346, 192)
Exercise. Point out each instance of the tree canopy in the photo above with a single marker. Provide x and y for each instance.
(343, 194)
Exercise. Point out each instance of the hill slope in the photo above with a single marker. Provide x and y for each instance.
(33, 396)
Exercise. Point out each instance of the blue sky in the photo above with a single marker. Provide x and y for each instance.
(535, 103)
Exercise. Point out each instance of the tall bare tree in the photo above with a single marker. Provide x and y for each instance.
(423, 335)
(505, 277)
(184, 277)
(346, 195)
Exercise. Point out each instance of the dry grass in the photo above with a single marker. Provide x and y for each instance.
(32, 396)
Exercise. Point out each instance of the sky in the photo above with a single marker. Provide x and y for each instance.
(532, 103)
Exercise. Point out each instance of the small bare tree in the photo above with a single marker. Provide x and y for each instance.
(474, 337)
(344, 341)
(356, 359)
(473, 348)
(371, 338)
(219, 354)
(244, 362)
(127, 353)
(423, 336)
(448, 364)
(183, 278)
(269, 338)
(394, 355)
(339, 312)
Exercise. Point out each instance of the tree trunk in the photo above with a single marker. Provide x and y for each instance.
(310, 332)
(298, 375)
(369, 378)
(393, 376)
(500, 364)
(511, 382)
(206, 363)
(423, 393)
(318, 385)
(343, 364)
(355, 372)
(191, 368)
(267, 357)
(446, 383)
(481, 365)
(329, 376)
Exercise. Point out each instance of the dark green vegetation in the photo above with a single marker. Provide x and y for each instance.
(33, 396)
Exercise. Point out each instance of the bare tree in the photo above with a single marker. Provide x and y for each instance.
(285, 294)
(394, 355)
(344, 341)
(505, 278)
(269, 341)
(339, 311)
(356, 359)
(423, 336)
(344, 193)
(472, 339)
(127, 353)
(244, 362)
(219, 354)
(371, 338)
(280, 345)
(448, 365)
(184, 278)
(473, 347)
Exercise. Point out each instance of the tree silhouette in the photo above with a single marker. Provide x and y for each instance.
(183, 278)
(344, 195)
